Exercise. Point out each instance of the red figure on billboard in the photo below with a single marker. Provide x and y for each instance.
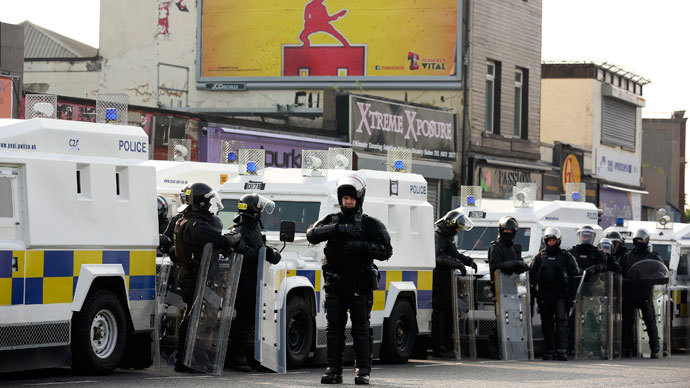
(317, 19)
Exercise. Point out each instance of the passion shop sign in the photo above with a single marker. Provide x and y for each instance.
(376, 126)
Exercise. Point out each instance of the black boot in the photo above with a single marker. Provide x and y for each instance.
(362, 379)
(438, 335)
(332, 376)
(239, 363)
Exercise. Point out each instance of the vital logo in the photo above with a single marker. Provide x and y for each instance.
(414, 60)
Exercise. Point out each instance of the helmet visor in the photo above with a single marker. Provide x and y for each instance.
(463, 222)
(215, 204)
(266, 205)
(586, 237)
(354, 181)
(605, 245)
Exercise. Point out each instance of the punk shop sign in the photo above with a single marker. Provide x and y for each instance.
(376, 126)
(499, 182)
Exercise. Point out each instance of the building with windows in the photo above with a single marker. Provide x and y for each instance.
(663, 165)
(596, 108)
(11, 69)
(501, 128)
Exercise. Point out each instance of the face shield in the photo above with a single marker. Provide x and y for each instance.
(215, 204)
(463, 222)
(606, 245)
(354, 181)
(266, 205)
(586, 237)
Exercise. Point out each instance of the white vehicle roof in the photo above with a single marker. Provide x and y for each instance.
(172, 177)
(672, 232)
(396, 199)
(82, 184)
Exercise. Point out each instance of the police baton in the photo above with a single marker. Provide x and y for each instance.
(576, 297)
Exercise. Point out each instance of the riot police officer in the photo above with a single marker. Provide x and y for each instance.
(606, 246)
(162, 213)
(589, 258)
(354, 240)
(618, 250)
(504, 254)
(168, 233)
(447, 260)
(193, 230)
(248, 225)
(551, 273)
(638, 296)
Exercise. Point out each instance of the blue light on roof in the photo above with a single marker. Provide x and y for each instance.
(399, 165)
(110, 114)
(232, 156)
(251, 166)
(471, 200)
(619, 221)
(576, 196)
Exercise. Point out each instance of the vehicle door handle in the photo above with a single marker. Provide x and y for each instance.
(15, 264)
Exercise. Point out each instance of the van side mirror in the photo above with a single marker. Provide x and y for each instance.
(287, 231)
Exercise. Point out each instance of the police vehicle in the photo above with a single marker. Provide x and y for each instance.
(671, 240)
(78, 233)
(533, 217)
(402, 303)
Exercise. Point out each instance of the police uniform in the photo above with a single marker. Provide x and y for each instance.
(248, 226)
(551, 274)
(447, 260)
(504, 254)
(354, 240)
(194, 229)
(638, 296)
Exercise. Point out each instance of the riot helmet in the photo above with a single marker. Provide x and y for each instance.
(454, 220)
(552, 233)
(201, 196)
(586, 235)
(353, 186)
(253, 204)
(162, 207)
(507, 227)
(606, 245)
(641, 239)
(183, 199)
(616, 238)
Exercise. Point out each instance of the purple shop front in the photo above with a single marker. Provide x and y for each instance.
(618, 204)
(281, 150)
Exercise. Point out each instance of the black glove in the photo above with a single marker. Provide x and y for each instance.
(164, 243)
(463, 270)
(349, 230)
(272, 255)
(236, 243)
(521, 267)
(354, 247)
(591, 270)
(473, 265)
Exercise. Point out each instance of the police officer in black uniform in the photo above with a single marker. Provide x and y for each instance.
(551, 274)
(618, 240)
(162, 213)
(638, 296)
(168, 234)
(354, 240)
(197, 227)
(248, 225)
(504, 254)
(447, 260)
(589, 258)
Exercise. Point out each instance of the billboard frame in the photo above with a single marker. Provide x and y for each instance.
(446, 82)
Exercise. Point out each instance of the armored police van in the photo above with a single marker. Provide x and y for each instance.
(402, 302)
(671, 240)
(533, 217)
(78, 233)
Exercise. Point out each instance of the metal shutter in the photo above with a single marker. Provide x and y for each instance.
(618, 123)
(432, 195)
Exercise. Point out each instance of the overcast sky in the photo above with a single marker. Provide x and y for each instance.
(649, 38)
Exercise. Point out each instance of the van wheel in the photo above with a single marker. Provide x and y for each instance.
(99, 334)
(399, 332)
(300, 331)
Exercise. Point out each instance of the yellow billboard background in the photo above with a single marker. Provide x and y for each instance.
(245, 38)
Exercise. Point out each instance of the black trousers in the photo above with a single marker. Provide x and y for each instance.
(632, 302)
(338, 302)
(554, 324)
(188, 280)
(245, 308)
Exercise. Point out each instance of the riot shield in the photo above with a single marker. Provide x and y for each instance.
(169, 312)
(270, 326)
(660, 301)
(617, 315)
(513, 316)
(212, 311)
(463, 308)
(594, 318)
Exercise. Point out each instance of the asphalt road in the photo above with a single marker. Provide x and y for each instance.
(670, 372)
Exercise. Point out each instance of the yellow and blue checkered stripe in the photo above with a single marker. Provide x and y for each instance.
(423, 280)
(45, 277)
(680, 300)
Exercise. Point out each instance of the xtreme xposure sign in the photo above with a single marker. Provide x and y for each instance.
(376, 126)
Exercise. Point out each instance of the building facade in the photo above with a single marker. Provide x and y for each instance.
(597, 107)
(11, 69)
(663, 165)
(502, 123)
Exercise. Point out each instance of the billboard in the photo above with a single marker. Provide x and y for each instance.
(377, 125)
(281, 43)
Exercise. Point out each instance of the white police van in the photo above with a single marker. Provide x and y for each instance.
(402, 303)
(533, 217)
(78, 233)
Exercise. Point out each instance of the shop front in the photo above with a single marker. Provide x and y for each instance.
(619, 193)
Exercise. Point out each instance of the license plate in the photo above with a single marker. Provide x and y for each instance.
(254, 185)
(477, 214)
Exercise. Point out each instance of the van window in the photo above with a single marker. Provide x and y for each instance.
(480, 238)
(6, 205)
(305, 214)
